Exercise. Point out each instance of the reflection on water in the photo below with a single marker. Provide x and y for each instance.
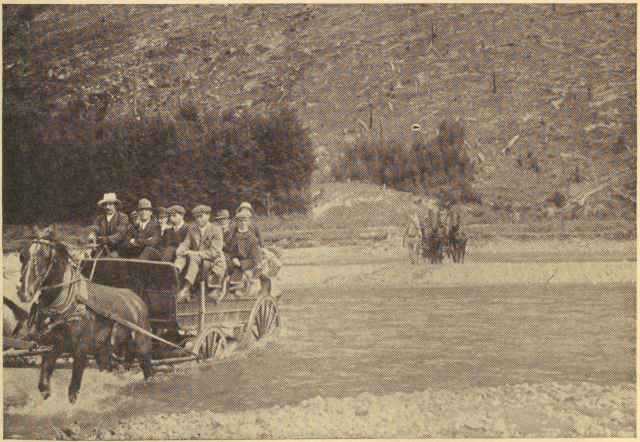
(338, 343)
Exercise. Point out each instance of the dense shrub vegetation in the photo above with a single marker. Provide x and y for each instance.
(438, 167)
(58, 167)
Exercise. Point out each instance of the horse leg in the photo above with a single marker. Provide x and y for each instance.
(79, 364)
(103, 350)
(143, 351)
(46, 370)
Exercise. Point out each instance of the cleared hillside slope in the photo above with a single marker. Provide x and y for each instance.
(565, 77)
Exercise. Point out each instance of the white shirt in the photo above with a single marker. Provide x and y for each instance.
(110, 217)
(144, 225)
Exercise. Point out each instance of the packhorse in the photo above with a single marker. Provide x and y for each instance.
(64, 314)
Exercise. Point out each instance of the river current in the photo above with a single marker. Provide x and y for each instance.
(341, 342)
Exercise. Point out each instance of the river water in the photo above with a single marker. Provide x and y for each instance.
(340, 343)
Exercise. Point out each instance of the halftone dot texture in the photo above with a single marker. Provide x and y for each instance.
(336, 122)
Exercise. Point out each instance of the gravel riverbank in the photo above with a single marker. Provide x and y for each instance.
(523, 410)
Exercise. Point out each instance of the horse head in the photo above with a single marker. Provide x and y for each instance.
(43, 262)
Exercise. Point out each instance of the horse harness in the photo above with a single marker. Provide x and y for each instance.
(61, 308)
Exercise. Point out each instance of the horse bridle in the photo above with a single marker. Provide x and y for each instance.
(59, 305)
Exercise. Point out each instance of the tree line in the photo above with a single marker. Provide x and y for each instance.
(56, 168)
(439, 167)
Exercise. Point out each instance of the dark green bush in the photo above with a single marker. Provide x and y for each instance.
(439, 167)
(56, 168)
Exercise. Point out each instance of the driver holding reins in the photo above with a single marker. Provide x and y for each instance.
(110, 228)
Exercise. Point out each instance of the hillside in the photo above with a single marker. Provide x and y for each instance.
(552, 85)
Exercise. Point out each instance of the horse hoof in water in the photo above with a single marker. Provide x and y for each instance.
(73, 396)
(45, 394)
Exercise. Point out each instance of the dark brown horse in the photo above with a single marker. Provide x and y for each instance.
(435, 243)
(458, 243)
(62, 320)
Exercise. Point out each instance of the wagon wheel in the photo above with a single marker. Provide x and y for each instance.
(211, 344)
(264, 319)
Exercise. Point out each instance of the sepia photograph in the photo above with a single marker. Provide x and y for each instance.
(319, 221)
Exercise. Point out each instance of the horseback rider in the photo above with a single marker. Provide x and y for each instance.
(413, 229)
(110, 228)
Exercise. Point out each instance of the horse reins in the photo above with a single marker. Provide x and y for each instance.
(61, 304)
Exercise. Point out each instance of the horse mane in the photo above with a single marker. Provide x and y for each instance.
(62, 250)
(20, 313)
(60, 247)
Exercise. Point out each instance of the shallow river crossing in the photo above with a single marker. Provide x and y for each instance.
(339, 343)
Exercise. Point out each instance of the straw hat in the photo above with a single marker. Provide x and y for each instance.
(109, 198)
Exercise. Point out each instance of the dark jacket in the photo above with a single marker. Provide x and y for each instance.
(245, 247)
(147, 237)
(114, 231)
(173, 238)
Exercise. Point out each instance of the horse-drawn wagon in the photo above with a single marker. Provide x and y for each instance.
(103, 307)
(204, 326)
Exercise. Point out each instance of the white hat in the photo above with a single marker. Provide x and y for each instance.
(108, 198)
(243, 213)
(244, 205)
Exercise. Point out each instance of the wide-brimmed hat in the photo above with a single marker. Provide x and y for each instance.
(144, 204)
(201, 209)
(244, 213)
(244, 205)
(222, 214)
(109, 198)
(162, 211)
(177, 209)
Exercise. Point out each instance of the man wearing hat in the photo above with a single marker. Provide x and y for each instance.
(204, 241)
(244, 250)
(143, 239)
(163, 218)
(110, 228)
(174, 234)
(223, 219)
(256, 231)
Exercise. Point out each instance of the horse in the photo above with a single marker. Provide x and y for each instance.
(435, 246)
(412, 239)
(458, 243)
(51, 279)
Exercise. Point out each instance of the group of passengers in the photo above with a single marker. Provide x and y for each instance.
(221, 248)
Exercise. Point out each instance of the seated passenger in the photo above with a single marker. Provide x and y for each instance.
(223, 219)
(142, 240)
(110, 228)
(174, 234)
(163, 219)
(203, 242)
(244, 250)
(256, 231)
